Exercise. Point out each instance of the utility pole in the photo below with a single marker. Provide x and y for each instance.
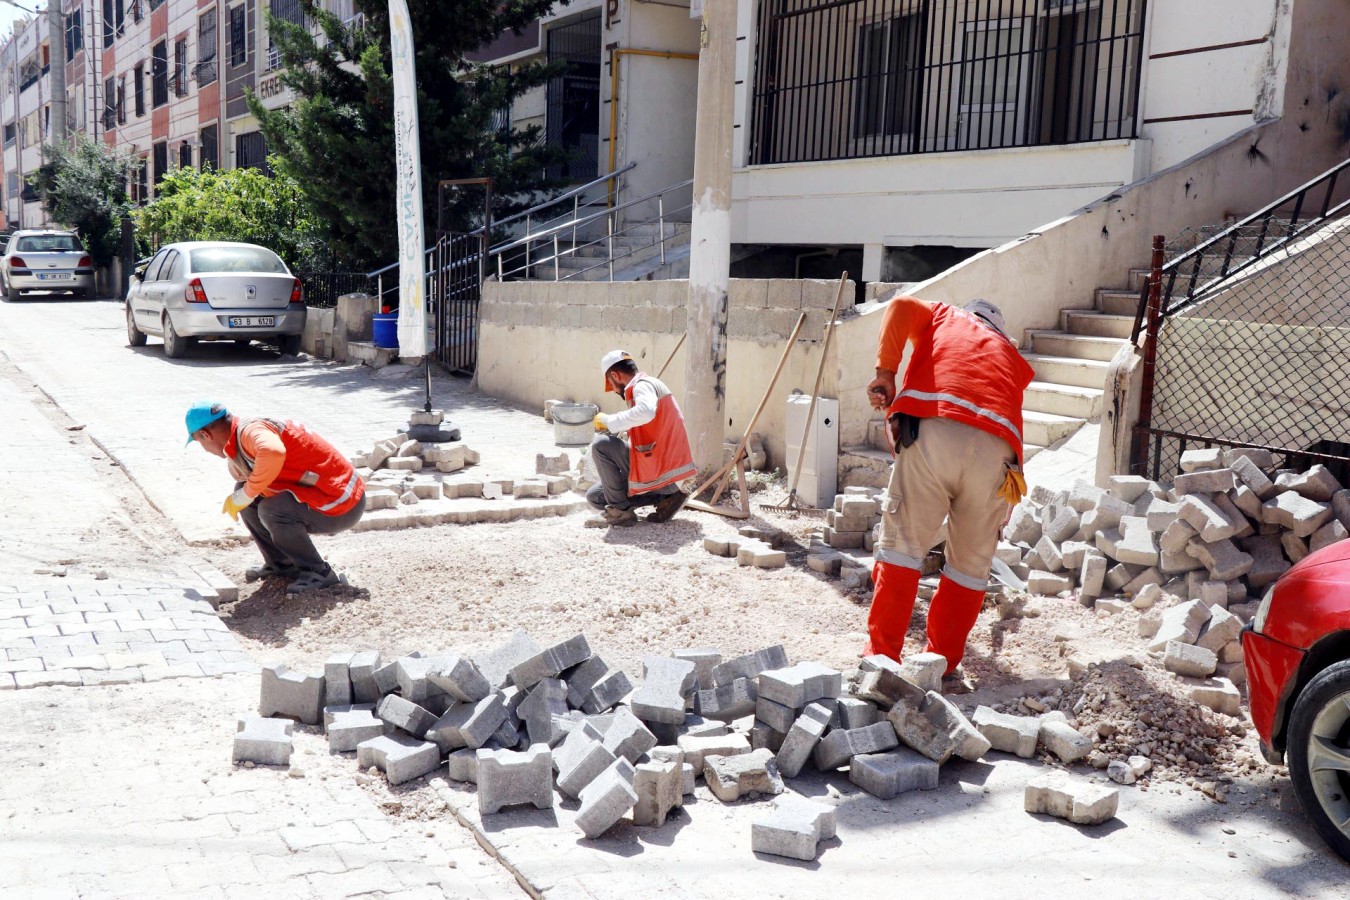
(56, 37)
(710, 236)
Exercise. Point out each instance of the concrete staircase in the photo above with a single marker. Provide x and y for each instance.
(637, 254)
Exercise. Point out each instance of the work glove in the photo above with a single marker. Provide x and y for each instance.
(599, 422)
(1014, 486)
(236, 502)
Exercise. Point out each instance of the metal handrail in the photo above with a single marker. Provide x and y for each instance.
(593, 217)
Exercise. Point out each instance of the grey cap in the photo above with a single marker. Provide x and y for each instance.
(989, 312)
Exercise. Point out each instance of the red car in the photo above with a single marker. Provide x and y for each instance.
(1297, 654)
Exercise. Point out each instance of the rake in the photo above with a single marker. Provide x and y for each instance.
(794, 506)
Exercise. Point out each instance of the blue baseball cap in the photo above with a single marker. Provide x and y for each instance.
(199, 415)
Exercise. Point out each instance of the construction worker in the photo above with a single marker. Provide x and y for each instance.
(646, 469)
(956, 427)
(290, 483)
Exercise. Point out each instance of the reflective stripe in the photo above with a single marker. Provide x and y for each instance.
(896, 558)
(346, 493)
(638, 487)
(645, 448)
(964, 404)
(972, 584)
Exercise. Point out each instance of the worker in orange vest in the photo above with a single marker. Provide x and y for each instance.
(956, 429)
(290, 483)
(646, 469)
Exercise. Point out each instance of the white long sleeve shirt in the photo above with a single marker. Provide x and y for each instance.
(641, 412)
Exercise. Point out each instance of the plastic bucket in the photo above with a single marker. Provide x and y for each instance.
(385, 330)
(572, 423)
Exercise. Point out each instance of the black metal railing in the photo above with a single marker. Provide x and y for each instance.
(322, 289)
(845, 79)
(1246, 337)
(455, 283)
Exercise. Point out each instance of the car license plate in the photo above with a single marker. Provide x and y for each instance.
(53, 276)
(253, 321)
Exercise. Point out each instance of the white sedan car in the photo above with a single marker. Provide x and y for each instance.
(215, 290)
(46, 260)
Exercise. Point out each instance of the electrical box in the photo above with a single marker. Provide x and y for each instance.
(819, 479)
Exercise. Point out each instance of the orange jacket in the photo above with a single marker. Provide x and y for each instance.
(658, 451)
(961, 369)
(286, 456)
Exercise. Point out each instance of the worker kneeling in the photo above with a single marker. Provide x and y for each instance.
(646, 469)
(956, 427)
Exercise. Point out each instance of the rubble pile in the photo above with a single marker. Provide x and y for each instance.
(526, 724)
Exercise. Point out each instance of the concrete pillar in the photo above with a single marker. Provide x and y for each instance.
(873, 256)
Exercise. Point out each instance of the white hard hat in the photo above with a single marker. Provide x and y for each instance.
(608, 361)
(990, 313)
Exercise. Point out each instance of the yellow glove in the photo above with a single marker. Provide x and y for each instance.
(236, 502)
(599, 422)
(1014, 486)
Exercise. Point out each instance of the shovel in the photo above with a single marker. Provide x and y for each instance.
(999, 570)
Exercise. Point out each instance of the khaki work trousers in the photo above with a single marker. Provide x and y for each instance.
(953, 472)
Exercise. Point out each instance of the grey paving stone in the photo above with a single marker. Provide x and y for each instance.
(551, 662)
(361, 670)
(290, 694)
(508, 778)
(838, 747)
(413, 673)
(348, 726)
(580, 758)
(627, 737)
(898, 771)
(750, 665)
(705, 659)
(265, 741)
(608, 692)
(798, 685)
(468, 724)
(605, 800)
(802, 738)
(727, 701)
(460, 678)
(538, 711)
(401, 757)
(1059, 794)
(496, 664)
(732, 777)
(337, 680)
(794, 829)
(666, 686)
(405, 715)
(1008, 733)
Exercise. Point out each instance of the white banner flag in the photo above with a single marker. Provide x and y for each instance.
(412, 315)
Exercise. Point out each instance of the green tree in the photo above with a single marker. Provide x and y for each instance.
(337, 137)
(234, 205)
(84, 187)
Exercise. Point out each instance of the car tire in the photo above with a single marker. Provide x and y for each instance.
(175, 345)
(13, 294)
(1319, 754)
(288, 344)
(135, 337)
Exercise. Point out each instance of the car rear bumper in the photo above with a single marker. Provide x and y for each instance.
(215, 323)
(1272, 670)
(75, 281)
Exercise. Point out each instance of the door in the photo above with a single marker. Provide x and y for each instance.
(142, 302)
(993, 83)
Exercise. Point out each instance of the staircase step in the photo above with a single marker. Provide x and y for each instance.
(1046, 429)
(1096, 324)
(1117, 302)
(1079, 346)
(1063, 370)
(1137, 279)
(1064, 399)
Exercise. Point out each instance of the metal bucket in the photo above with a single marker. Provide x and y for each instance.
(572, 423)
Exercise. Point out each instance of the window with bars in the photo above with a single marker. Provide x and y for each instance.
(209, 156)
(137, 10)
(10, 135)
(138, 84)
(160, 153)
(185, 155)
(141, 194)
(250, 151)
(286, 11)
(238, 36)
(159, 74)
(109, 102)
(121, 100)
(180, 67)
(74, 32)
(206, 48)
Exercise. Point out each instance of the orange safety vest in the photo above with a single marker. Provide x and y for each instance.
(314, 471)
(658, 452)
(965, 371)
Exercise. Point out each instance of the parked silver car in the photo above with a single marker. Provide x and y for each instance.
(46, 260)
(214, 290)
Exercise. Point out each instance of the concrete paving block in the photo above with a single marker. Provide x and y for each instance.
(794, 829)
(1047, 584)
(1110, 606)
(385, 677)
(1246, 500)
(291, 695)
(1181, 623)
(507, 778)
(1120, 772)
(1223, 559)
(728, 701)
(1064, 741)
(1063, 796)
(899, 771)
(1062, 527)
(412, 672)
(1176, 536)
(887, 686)
(348, 727)
(583, 678)
(608, 691)
(1128, 487)
(405, 715)
(1223, 628)
(265, 741)
(361, 670)
(1189, 660)
(1118, 576)
(851, 712)
(750, 665)
(1092, 576)
(836, 748)
(936, 728)
(1293, 546)
(1206, 481)
(400, 757)
(1331, 533)
(1340, 507)
(552, 464)
(1213, 594)
(802, 739)
(666, 686)
(1204, 458)
(462, 765)
(1317, 484)
(627, 737)
(659, 787)
(1083, 496)
(469, 724)
(1174, 564)
(551, 662)
(1207, 518)
(606, 799)
(1296, 513)
(540, 708)
(1023, 525)
(695, 748)
(1250, 475)
(764, 737)
(732, 777)
(459, 677)
(924, 669)
(526, 488)
(1008, 733)
(580, 758)
(1148, 597)
(775, 715)
(1219, 694)
(798, 685)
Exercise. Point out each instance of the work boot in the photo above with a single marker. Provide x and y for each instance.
(270, 570)
(956, 682)
(613, 516)
(668, 506)
(313, 581)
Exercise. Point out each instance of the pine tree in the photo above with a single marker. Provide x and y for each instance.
(337, 138)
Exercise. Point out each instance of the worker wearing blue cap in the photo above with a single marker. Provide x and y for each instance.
(290, 483)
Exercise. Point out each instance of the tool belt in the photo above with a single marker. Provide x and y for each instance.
(902, 429)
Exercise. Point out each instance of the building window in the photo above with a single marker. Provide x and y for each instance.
(138, 83)
(136, 11)
(180, 67)
(238, 36)
(109, 102)
(286, 11)
(159, 74)
(121, 100)
(74, 32)
(206, 48)
(210, 144)
(888, 55)
(142, 192)
(185, 155)
(161, 156)
(250, 151)
(156, 4)
(9, 136)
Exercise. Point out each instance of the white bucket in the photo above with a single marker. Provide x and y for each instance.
(572, 423)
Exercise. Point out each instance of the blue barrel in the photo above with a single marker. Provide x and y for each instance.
(385, 327)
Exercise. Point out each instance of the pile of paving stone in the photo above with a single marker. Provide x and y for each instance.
(526, 723)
